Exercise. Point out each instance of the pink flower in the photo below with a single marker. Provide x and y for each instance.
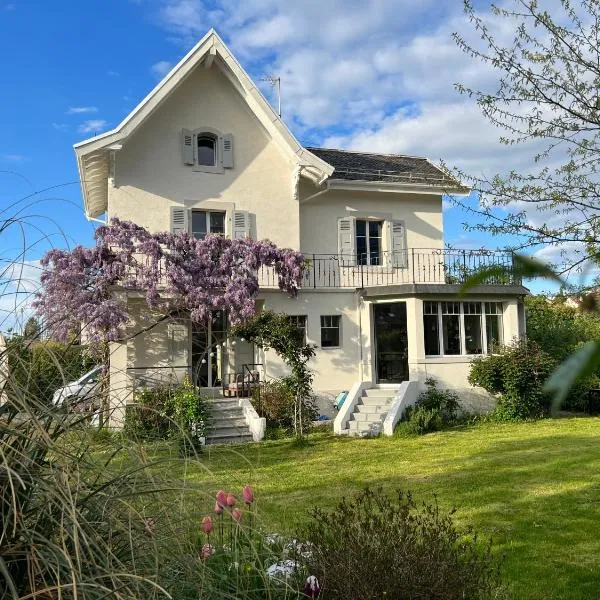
(231, 500)
(218, 508)
(221, 498)
(207, 550)
(248, 494)
(207, 525)
(236, 515)
(312, 589)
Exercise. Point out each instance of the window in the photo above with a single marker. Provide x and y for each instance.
(493, 324)
(300, 322)
(473, 328)
(368, 242)
(206, 151)
(454, 328)
(431, 327)
(451, 327)
(204, 221)
(330, 331)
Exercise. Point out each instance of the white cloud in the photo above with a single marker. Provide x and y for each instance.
(113, 74)
(161, 68)
(81, 110)
(10, 7)
(60, 126)
(92, 126)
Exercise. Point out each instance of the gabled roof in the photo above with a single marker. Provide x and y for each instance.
(93, 155)
(386, 168)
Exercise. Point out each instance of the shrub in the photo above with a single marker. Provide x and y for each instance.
(433, 410)
(517, 374)
(376, 546)
(39, 368)
(275, 401)
(165, 411)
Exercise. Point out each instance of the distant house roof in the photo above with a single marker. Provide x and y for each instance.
(391, 168)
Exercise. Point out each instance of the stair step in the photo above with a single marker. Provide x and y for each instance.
(230, 421)
(224, 402)
(375, 401)
(370, 417)
(379, 392)
(371, 408)
(217, 430)
(230, 439)
(218, 410)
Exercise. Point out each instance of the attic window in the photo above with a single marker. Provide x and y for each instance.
(207, 151)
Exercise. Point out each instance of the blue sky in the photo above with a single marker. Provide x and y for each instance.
(372, 75)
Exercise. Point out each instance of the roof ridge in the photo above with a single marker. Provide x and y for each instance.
(310, 148)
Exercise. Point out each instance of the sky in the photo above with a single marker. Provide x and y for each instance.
(373, 75)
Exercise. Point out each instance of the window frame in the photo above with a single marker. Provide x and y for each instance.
(207, 214)
(337, 327)
(367, 237)
(217, 136)
(295, 318)
(483, 314)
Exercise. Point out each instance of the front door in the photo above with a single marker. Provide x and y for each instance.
(208, 351)
(391, 342)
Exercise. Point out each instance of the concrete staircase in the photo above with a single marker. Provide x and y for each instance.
(228, 424)
(371, 410)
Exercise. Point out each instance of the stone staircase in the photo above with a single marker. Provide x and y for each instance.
(370, 411)
(228, 424)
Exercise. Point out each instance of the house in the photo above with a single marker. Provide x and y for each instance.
(205, 152)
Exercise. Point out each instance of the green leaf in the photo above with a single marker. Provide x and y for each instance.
(523, 266)
(577, 366)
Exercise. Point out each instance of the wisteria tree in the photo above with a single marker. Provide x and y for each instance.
(178, 274)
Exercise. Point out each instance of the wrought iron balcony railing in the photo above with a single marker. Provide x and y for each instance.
(418, 265)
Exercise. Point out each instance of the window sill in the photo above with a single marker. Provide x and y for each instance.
(205, 169)
(330, 347)
(452, 358)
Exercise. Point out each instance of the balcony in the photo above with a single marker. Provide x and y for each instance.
(415, 266)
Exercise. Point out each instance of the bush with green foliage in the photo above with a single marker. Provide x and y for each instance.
(166, 411)
(41, 367)
(275, 401)
(516, 375)
(433, 410)
(377, 546)
(561, 330)
(275, 331)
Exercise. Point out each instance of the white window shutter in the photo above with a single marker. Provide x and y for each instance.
(346, 241)
(398, 245)
(227, 151)
(187, 145)
(241, 225)
(179, 219)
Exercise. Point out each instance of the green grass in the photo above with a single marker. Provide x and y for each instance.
(533, 487)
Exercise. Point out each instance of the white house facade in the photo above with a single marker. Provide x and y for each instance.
(204, 152)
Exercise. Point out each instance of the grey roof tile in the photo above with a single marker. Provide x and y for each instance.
(366, 166)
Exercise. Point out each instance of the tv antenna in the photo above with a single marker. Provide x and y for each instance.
(276, 83)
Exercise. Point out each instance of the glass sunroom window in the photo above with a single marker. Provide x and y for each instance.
(473, 328)
(493, 325)
(431, 327)
(451, 327)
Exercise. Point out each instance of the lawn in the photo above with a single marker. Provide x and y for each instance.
(533, 487)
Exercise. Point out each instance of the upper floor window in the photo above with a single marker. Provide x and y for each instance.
(205, 221)
(369, 242)
(372, 241)
(300, 322)
(206, 149)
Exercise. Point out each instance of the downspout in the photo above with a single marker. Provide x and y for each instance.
(360, 336)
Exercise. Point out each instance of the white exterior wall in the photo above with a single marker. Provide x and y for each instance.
(421, 213)
(335, 369)
(150, 176)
